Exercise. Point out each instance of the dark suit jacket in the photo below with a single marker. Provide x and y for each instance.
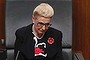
(24, 44)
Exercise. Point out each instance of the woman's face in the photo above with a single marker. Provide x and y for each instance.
(41, 24)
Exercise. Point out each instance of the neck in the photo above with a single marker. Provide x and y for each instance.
(39, 35)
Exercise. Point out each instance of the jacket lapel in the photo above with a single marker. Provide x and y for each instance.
(28, 46)
(51, 48)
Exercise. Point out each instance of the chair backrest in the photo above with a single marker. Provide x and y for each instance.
(18, 14)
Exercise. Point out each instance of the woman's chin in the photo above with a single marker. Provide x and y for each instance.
(40, 32)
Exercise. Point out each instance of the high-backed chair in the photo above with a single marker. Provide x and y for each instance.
(18, 14)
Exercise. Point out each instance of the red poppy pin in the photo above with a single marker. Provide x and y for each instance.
(50, 40)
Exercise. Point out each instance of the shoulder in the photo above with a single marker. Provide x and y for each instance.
(54, 31)
(24, 29)
(56, 34)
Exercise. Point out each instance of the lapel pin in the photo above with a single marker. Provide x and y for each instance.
(50, 40)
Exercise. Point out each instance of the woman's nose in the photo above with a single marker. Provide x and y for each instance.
(44, 27)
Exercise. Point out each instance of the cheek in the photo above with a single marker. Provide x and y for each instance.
(46, 29)
(37, 28)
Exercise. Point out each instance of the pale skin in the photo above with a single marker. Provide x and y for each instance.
(43, 20)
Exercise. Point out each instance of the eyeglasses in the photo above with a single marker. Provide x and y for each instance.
(40, 24)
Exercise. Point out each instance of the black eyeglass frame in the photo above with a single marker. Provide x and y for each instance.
(40, 24)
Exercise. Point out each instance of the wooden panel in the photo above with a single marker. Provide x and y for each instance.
(81, 27)
(2, 20)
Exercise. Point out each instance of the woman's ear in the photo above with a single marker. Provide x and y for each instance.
(33, 18)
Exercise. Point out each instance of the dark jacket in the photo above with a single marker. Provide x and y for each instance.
(24, 44)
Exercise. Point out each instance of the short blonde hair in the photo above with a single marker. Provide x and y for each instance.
(44, 9)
